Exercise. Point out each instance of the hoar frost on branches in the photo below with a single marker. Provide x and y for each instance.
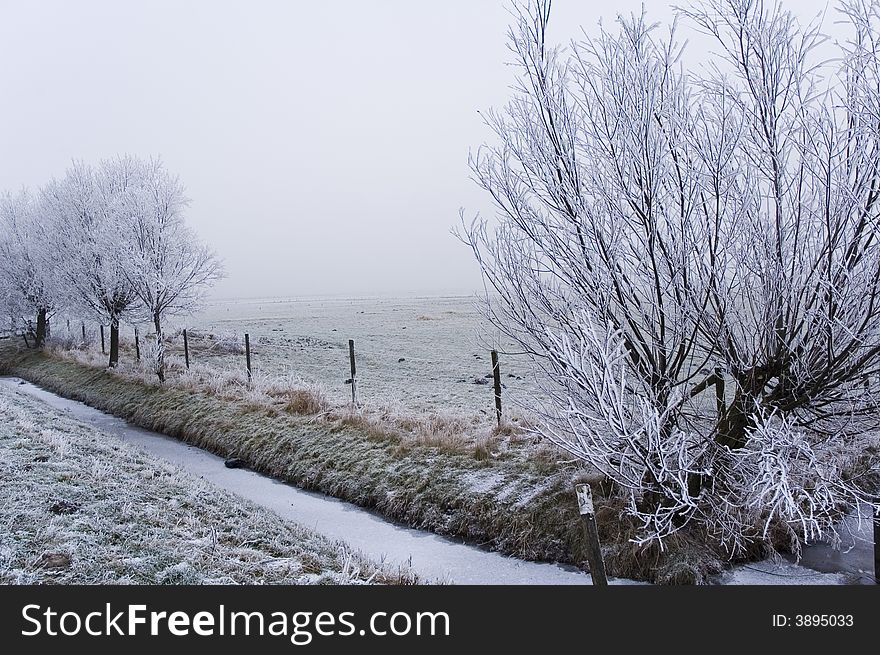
(692, 263)
(29, 286)
(110, 241)
(168, 268)
(87, 226)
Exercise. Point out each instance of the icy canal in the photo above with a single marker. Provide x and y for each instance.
(431, 556)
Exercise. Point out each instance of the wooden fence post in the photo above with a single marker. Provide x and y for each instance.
(186, 349)
(103, 349)
(496, 374)
(594, 548)
(876, 547)
(353, 372)
(137, 344)
(247, 354)
(84, 333)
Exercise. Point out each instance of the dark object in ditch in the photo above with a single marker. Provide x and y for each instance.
(54, 561)
(234, 463)
(64, 507)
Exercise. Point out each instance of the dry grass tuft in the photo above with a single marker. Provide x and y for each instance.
(486, 448)
(546, 457)
(305, 402)
(448, 434)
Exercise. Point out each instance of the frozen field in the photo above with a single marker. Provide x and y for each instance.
(426, 354)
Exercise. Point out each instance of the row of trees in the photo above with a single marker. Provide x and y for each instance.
(692, 260)
(108, 241)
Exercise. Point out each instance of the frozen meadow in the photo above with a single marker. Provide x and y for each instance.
(423, 354)
(79, 506)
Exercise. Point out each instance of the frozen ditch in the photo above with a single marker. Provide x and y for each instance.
(432, 556)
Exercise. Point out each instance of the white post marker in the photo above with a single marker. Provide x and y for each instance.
(594, 548)
(585, 499)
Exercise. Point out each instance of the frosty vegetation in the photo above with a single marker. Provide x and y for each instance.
(28, 289)
(691, 259)
(82, 507)
(106, 241)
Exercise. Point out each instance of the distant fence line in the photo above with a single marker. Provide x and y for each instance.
(352, 361)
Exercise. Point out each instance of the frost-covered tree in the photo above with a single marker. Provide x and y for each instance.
(167, 266)
(89, 227)
(692, 262)
(28, 269)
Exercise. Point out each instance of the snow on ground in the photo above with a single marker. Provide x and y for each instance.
(779, 572)
(432, 556)
(443, 342)
(79, 506)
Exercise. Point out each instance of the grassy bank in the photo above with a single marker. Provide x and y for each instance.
(79, 507)
(523, 506)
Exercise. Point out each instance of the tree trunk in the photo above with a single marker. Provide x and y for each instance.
(40, 336)
(737, 420)
(114, 341)
(734, 422)
(160, 348)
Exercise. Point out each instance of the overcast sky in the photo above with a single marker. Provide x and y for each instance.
(324, 144)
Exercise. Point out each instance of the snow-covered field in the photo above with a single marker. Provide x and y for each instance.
(79, 506)
(426, 354)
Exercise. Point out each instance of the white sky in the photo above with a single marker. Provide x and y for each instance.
(324, 144)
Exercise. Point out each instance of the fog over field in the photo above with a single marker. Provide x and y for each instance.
(325, 145)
